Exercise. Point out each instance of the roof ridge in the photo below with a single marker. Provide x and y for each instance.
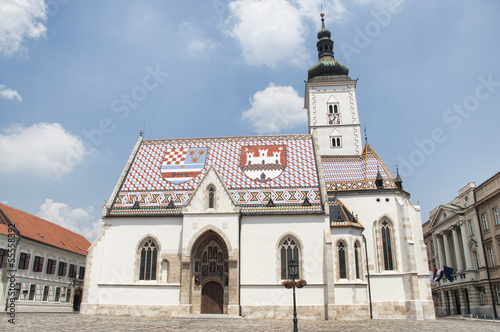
(35, 216)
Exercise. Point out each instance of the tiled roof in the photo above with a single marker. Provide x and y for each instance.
(255, 169)
(356, 172)
(340, 215)
(41, 230)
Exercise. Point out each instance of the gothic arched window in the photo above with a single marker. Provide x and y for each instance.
(387, 248)
(149, 252)
(341, 250)
(289, 250)
(211, 197)
(356, 259)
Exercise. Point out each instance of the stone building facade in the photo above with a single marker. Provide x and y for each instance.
(48, 263)
(210, 225)
(464, 234)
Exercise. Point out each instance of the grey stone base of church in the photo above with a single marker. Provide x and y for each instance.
(416, 310)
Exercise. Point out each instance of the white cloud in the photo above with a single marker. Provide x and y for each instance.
(274, 109)
(20, 20)
(76, 220)
(197, 45)
(273, 31)
(44, 149)
(9, 94)
(269, 32)
(335, 11)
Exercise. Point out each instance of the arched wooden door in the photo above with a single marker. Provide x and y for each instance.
(212, 295)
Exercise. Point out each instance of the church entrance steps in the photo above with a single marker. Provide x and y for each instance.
(207, 316)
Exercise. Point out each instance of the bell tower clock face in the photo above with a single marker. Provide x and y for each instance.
(333, 119)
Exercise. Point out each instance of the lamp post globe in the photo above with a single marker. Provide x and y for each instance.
(293, 269)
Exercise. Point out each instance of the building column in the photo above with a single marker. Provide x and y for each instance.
(465, 245)
(446, 249)
(440, 252)
(458, 252)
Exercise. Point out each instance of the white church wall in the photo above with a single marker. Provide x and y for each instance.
(387, 287)
(279, 295)
(122, 239)
(139, 295)
(260, 255)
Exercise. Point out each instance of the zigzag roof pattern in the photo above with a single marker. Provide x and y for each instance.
(148, 185)
(356, 172)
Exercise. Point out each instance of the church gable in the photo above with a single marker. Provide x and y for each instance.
(211, 196)
(256, 171)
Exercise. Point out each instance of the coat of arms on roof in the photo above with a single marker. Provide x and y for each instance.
(183, 164)
(263, 163)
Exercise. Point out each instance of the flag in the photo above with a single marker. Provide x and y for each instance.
(448, 272)
(438, 275)
(431, 275)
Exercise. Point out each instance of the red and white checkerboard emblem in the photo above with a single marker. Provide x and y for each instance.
(183, 164)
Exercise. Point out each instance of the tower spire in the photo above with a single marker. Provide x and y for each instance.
(327, 65)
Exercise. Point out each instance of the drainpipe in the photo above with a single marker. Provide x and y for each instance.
(368, 274)
(239, 265)
(485, 257)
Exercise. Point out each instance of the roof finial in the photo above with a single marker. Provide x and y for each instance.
(322, 18)
(397, 181)
(140, 134)
(366, 137)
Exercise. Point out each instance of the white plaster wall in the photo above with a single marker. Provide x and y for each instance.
(279, 295)
(139, 295)
(93, 271)
(123, 238)
(350, 294)
(387, 287)
(260, 255)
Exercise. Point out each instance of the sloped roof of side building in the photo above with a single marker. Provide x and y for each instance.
(41, 230)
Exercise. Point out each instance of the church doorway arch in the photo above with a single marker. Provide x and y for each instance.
(210, 274)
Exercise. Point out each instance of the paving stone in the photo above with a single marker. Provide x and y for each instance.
(39, 322)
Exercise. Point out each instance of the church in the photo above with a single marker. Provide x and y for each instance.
(211, 225)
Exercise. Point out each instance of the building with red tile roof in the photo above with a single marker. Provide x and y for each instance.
(47, 260)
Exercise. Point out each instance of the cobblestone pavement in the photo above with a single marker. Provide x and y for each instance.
(75, 322)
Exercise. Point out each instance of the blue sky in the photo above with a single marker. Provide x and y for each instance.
(80, 79)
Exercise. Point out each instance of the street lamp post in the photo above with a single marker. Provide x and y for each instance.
(293, 271)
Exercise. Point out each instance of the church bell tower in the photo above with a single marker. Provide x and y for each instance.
(330, 100)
